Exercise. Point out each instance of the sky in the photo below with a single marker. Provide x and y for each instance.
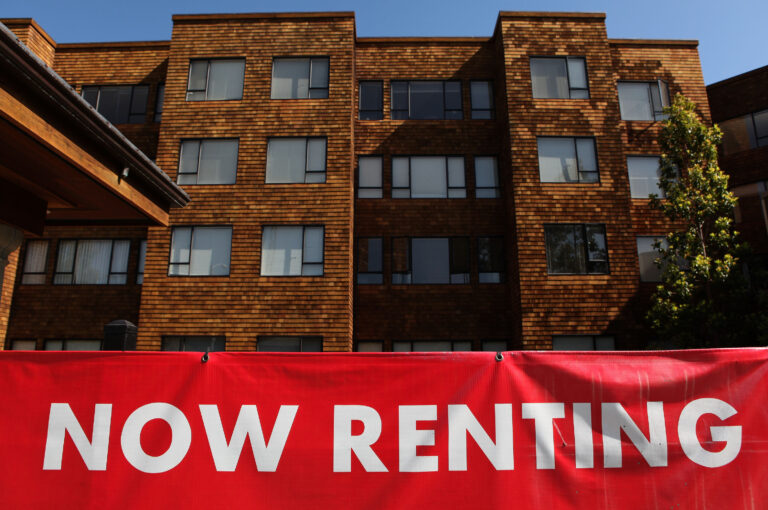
(731, 33)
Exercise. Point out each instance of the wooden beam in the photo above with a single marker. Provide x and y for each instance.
(49, 136)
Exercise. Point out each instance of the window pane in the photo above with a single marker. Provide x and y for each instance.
(369, 255)
(402, 347)
(35, 261)
(159, 102)
(644, 174)
(54, 345)
(432, 346)
(313, 245)
(319, 73)
(456, 172)
(426, 100)
(368, 346)
(316, 155)
(115, 103)
(490, 254)
(738, 135)
(203, 343)
(91, 94)
(595, 243)
(429, 177)
(565, 249)
(210, 251)
(281, 251)
(481, 93)
(635, 102)
(279, 344)
(23, 345)
(92, 262)
(605, 343)
(400, 96)
(226, 79)
(139, 101)
(459, 260)
(198, 75)
(120, 251)
(486, 173)
(218, 162)
(549, 78)
(557, 160)
(290, 78)
(577, 73)
(370, 172)
(371, 100)
(83, 345)
(400, 173)
(188, 160)
(585, 148)
(494, 345)
(181, 241)
(453, 95)
(573, 343)
(142, 261)
(761, 124)
(286, 160)
(430, 260)
(647, 255)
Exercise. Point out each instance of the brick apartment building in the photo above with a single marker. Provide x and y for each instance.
(368, 193)
(740, 106)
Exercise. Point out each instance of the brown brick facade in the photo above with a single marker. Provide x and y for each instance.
(526, 310)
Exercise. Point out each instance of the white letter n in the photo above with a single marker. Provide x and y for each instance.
(62, 420)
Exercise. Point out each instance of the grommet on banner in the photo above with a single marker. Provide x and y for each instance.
(499, 356)
(204, 359)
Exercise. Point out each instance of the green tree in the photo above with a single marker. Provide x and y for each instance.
(704, 299)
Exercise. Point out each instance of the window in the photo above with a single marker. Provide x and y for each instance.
(295, 160)
(142, 259)
(576, 249)
(35, 262)
(430, 260)
(369, 260)
(120, 104)
(369, 177)
(431, 345)
(159, 102)
(92, 262)
(559, 78)
(371, 100)
(565, 159)
(300, 78)
(369, 346)
(490, 259)
(194, 343)
(428, 177)
(643, 100)
(72, 345)
(583, 343)
(481, 95)
(209, 161)
(647, 255)
(292, 251)
(215, 80)
(494, 345)
(746, 132)
(23, 345)
(426, 100)
(644, 175)
(200, 251)
(289, 344)
(486, 177)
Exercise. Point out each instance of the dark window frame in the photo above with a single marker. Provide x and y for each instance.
(658, 113)
(208, 78)
(496, 189)
(71, 272)
(451, 273)
(182, 341)
(375, 114)
(302, 339)
(379, 273)
(196, 173)
(567, 75)
(492, 110)
(310, 88)
(448, 186)
(131, 105)
(585, 247)
(453, 343)
(44, 272)
(579, 171)
(65, 340)
(303, 252)
(191, 243)
(408, 116)
(359, 187)
(594, 341)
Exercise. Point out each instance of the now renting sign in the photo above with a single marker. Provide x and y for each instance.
(675, 429)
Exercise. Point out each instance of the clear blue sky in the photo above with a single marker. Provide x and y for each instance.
(731, 33)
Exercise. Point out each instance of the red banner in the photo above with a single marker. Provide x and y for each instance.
(432, 430)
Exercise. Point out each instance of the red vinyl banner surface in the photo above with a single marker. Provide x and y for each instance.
(418, 430)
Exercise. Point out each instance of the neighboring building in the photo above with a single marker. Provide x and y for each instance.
(740, 106)
(371, 193)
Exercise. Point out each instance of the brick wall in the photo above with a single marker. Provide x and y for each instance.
(243, 305)
(36, 39)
